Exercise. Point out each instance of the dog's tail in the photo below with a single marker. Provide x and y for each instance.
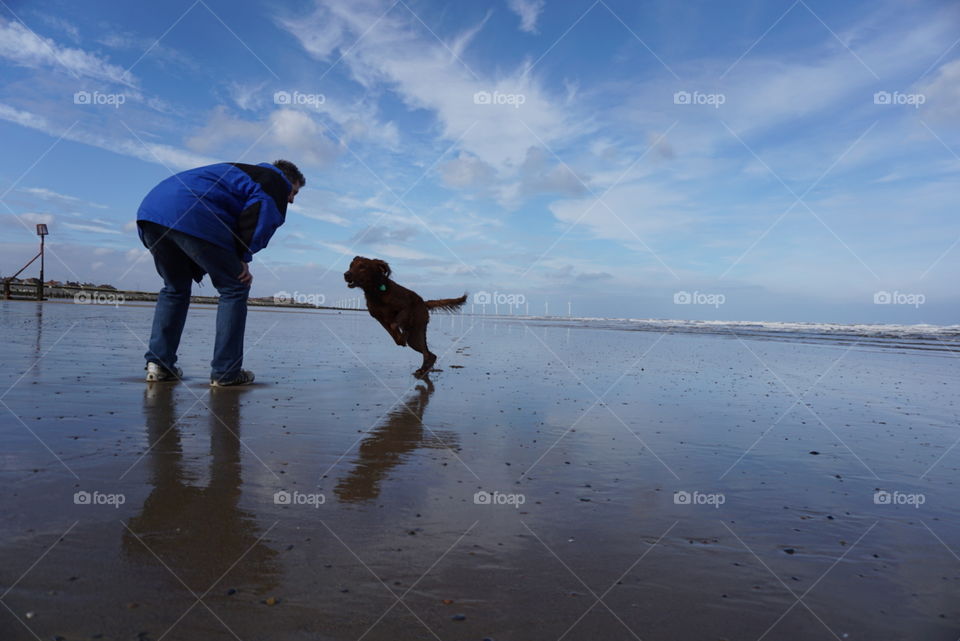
(447, 304)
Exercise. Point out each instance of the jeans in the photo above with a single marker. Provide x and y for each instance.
(180, 258)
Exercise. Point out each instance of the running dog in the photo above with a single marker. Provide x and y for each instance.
(401, 312)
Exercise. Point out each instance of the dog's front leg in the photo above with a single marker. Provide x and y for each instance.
(397, 334)
(394, 330)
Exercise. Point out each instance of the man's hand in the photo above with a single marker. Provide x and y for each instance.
(245, 276)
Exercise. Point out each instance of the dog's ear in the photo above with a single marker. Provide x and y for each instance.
(384, 267)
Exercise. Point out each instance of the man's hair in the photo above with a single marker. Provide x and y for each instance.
(290, 171)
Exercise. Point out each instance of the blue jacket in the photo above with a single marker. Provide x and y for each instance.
(233, 205)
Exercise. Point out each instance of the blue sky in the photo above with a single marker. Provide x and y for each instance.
(775, 160)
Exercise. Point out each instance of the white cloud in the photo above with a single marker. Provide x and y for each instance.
(339, 248)
(541, 175)
(148, 46)
(399, 251)
(50, 195)
(24, 47)
(23, 118)
(573, 271)
(326, 217)
(32, 218)
(943, 92)
(634, 210)
(166, 155)
(425, 75)
(61, 25)
(303, 136)
(528, 11)
(246, 95)
(99, 229)
(466, 171)
(290, 133)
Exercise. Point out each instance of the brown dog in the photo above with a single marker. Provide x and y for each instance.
(401, 312)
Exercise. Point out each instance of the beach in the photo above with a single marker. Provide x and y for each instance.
(556, 479)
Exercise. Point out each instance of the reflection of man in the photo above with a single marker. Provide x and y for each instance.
(211, 220)
(200, 532)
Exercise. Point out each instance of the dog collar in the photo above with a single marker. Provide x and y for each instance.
(383, 288)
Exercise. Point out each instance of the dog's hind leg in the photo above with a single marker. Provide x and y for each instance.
(417, 339)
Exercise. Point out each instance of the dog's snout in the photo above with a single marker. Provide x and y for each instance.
(347, 275)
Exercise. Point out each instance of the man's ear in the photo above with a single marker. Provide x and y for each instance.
(384, 267)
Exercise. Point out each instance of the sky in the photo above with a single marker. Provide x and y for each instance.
(746, 160)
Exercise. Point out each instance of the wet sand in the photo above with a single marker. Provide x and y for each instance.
(589, 437)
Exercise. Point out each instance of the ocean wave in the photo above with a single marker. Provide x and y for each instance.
(920, 336)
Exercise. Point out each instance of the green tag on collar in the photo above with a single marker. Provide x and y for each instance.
(383, 288)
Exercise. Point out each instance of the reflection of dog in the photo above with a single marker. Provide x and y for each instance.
(401, 312)
(394, 440)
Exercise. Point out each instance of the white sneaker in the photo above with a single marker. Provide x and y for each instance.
(244, 377)
(157, 373)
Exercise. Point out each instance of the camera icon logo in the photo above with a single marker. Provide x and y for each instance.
(281, 97)
(882, 98)
(81, 98)
(281, 498)
(681, 98)
(482, 98)
(681, 497)
(482, 498)
(82, 498)
(482, 298)
(682, 298)
(281, 297)
(882, 298)
(882, 497)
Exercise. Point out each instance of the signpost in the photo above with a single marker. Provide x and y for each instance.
(42, 233)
